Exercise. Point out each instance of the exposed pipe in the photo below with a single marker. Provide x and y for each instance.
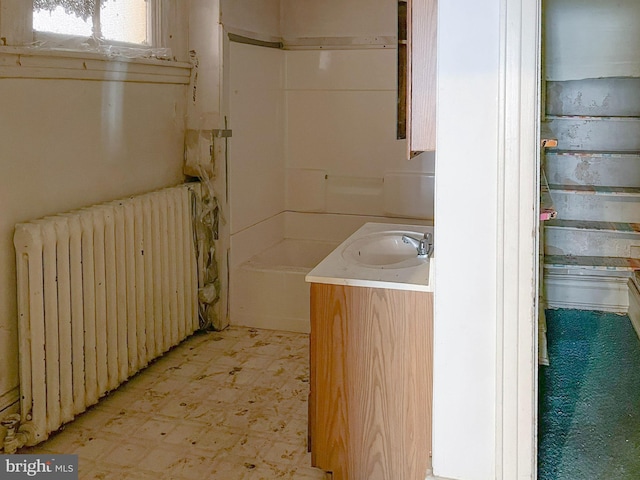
(18, 435)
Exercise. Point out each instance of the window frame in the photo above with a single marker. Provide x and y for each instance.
(16, 26)
(21, 58)
(153, 40)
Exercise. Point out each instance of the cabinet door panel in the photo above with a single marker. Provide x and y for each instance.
(423, 75)
(417, 52)
(371, 376)
(328, 351)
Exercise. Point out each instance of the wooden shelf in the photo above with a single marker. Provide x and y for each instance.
(612, 227)
(596, 190)
(607, 264)
(631, 154)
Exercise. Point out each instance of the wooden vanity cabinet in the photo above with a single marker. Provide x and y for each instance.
(371, 382)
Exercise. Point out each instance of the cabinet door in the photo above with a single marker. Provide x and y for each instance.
(417, 28)
(371, 382)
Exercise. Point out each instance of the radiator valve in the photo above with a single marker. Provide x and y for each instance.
(17, 435)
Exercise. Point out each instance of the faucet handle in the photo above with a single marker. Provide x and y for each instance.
(426, 245)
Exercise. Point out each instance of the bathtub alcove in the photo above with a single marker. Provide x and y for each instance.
(314, 156)
(269, 261)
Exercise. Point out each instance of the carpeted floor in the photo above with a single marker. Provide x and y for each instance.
(589, 409)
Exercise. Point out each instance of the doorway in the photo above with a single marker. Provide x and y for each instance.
(591, 104)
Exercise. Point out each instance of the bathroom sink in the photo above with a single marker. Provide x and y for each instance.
(383, 250)
(375, 256)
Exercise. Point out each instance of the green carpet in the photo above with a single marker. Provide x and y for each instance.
(589, 409)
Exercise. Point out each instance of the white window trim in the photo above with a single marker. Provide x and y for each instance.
(17, 62)
(19, 58)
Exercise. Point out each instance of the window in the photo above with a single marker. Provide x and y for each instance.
(126, 21)
(120, 40)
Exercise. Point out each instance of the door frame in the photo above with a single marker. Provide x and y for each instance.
(519, 229)
(486, 237)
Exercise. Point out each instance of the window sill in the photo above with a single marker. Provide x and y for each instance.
(21, 62)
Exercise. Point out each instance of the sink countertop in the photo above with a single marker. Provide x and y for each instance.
(335, 269)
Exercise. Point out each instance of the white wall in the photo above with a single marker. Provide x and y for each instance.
(338, 18)
(257, 19)
(342, 152)
(464, 417)
(591, 39)
(256, 156)
(344, 156)
(205, 42)
(338, 119)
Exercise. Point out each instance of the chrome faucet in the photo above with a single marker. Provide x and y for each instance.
(424, 246)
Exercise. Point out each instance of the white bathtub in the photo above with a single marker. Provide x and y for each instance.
(268, 263)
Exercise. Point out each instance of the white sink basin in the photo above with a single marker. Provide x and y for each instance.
(376, 257)
(383, 250)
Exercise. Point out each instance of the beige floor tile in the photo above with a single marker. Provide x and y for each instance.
(309, 473)
(252, 445)
(124, 423)
(94, 448)
(163, 460)
(136, 473)
(218, 441)
(155, 430)
(149, 401)
(186, 433)
(228, 405)
(231, 467)
(59, 442)
(122, 455)
(193, 466)
(286, 453)
(88, 470)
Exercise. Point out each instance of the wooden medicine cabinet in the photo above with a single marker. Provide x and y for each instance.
(417, 28)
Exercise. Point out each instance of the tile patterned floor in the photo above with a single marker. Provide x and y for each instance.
(226, 405)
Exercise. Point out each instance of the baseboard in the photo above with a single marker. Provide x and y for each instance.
(634, 306)
(587, 292)
(9, 398)
(431, 476)
(543, 352)
(287, 324)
